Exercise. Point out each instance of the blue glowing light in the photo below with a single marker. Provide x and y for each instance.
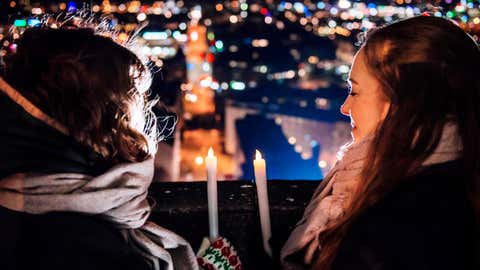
(72, 7)
(34, 22)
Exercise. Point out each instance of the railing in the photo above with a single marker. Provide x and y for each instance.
(182, 207)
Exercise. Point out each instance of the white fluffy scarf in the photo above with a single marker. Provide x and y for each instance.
(330, 198)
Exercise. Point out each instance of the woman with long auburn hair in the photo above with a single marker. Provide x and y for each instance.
(405, 193)
(77, 144)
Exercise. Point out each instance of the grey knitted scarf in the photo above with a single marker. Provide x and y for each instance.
(118, 196)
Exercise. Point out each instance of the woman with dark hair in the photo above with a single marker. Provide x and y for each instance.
(77, 142)
(405, 193)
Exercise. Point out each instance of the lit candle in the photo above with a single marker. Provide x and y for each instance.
(262, 194)
(211, 162)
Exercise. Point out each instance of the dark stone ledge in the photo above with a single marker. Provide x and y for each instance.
(182, 207)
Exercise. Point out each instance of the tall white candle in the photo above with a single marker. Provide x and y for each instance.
(211, 162)
(262, 194)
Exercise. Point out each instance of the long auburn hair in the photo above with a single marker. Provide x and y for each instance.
(91, 85)
(428, 69)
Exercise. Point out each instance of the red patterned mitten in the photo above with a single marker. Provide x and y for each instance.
(220, 255)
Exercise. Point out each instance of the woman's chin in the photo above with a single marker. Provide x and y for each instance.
(356, 137)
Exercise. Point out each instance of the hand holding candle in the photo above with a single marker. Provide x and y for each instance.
(211, 162)
(262, 194)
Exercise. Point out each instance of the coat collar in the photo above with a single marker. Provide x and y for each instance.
(29, 107)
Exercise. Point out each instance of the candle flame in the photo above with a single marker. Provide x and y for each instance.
(258, 155)
(210, 152)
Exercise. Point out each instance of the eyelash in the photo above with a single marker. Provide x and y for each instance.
(350, 91)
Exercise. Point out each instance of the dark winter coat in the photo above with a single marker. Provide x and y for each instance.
(54, 240)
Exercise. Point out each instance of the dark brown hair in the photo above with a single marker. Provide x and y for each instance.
(88, 83)
(428, 68)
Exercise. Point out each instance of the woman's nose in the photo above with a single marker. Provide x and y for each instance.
(345, 108)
